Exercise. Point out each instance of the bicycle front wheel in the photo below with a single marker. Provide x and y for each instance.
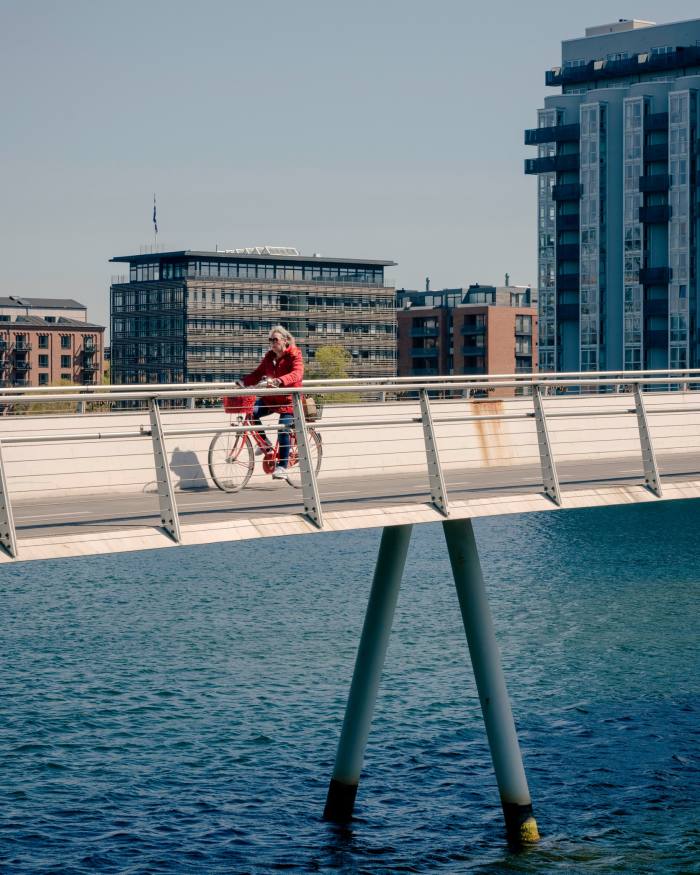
(231, 460)
(316, 451)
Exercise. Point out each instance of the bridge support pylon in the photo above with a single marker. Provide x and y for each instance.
(369, 662)
(521, 826)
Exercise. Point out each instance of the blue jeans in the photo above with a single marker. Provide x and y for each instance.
(261, 409)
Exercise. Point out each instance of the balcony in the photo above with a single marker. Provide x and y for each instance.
(89, 367)
(568, 222)
(88, 345)
(552, 163)
(640, 64)
(657, 338)
(472, 329)
(468, 350)
(567, 252)
(657, 214)
(656, 121)
(655, 182)
(424, 372)
(22, 365)
(22, 346)
(422, 352)
(656, 152)
(425, 332)
(555, 134)
(567, 282)
(655, 276)
(656, 307)
(567, 312)
(571, 191)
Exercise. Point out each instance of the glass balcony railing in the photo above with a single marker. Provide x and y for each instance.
(658, 213)
(656, 182)
(554, 134)
(430, 331)
(655, 276)
(552, 164)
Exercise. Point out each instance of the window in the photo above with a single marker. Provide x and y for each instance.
(65, 341)
(43, 341)
(523, 324)
(43, 361)
(66, 378)
(43, 379)
(65, 361)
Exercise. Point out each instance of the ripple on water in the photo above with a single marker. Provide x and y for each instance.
(179, 711)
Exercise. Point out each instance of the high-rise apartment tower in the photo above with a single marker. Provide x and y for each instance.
(617, 200)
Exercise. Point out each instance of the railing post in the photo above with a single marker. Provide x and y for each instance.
(166, 491)
(309, 485)
(651, 472)
(368, 669)
(8, 537)
(550, 480)
(490, 681)
(438, 493)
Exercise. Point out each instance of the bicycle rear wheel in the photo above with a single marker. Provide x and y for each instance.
(316, 450)
(231, 460)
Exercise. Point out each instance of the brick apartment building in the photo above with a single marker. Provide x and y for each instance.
(479, 330)
(45, 341)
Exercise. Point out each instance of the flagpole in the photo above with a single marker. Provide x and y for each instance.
(155, 225)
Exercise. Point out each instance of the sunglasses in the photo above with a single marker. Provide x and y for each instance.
(273, 339)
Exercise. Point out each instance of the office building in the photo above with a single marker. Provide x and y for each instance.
(617, 200)
(190, 316)
(477, 330)
(47, 341)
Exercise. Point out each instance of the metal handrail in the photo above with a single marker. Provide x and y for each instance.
(689, 375)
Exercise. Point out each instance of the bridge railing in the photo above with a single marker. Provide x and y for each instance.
(142, 453)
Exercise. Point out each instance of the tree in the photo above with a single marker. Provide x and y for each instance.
(332, 363)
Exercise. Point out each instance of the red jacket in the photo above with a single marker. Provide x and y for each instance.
(288, 369)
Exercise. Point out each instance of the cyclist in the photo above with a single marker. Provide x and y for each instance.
(281, 366)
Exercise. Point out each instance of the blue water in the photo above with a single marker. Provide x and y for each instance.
(178, 711)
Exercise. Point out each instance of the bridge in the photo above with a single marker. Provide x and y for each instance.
(110, 469)
(102, 470)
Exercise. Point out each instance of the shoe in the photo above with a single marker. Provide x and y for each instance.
(280, 473)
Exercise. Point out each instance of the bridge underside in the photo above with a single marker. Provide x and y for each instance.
(135, 537)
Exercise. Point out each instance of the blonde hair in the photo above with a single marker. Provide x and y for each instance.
(287, 336)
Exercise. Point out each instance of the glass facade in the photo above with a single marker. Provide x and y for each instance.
(591, 120)
(546, 251)
(633, 233)
(680, 123)
(210, 320)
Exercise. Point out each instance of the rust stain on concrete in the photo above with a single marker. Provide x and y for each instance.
(492, 439)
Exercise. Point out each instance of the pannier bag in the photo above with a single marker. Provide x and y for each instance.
(311, 410)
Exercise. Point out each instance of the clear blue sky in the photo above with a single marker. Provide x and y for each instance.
(386, 129)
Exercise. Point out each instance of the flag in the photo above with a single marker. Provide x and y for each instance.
(155, 221)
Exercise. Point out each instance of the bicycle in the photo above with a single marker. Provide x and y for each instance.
(232, 454)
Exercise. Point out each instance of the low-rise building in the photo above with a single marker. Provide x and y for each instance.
(41, 345)
(477, 330)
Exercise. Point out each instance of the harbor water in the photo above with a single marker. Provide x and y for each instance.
(178, 711)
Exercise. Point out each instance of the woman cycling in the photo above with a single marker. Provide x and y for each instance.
(281, 366)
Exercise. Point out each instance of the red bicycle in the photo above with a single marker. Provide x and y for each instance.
(232, 453)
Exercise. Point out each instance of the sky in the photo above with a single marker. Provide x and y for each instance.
(390, 129)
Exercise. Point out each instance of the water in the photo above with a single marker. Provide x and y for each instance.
(178, 711)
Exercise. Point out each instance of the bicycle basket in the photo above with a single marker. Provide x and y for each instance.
(313, 407)
(242, 404)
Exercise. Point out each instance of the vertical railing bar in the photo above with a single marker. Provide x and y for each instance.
(438, 493)
(8, 535)
(651, 471)
(550, 480)
(309, 484)
(166, 492)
